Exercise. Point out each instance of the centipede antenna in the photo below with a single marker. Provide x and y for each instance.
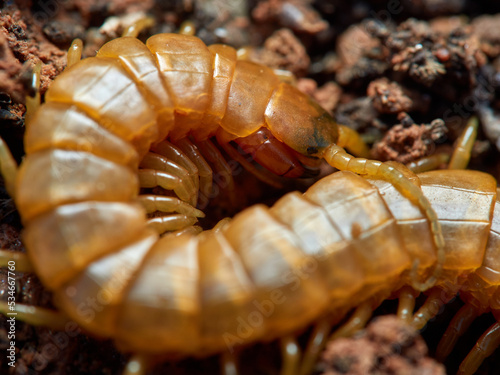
(141, 24)
(21, 260)
(8, 168)
(315, 345)
(484, 347)
(290, 352)
(37, 316)
(33, 102)
(457, 327)
(352, 141)
(338, 158)
(74, 52)
(461, 153)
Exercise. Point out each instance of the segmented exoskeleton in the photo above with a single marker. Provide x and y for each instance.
(144, 115)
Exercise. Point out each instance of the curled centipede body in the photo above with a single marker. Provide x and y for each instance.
(143, 115)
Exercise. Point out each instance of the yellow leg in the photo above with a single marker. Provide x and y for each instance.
(290, 353)
(221, 224)
(431, 307)
(193, 230)
(135, 29)
(223, 174)
(338, 158)
(206, 173)
(150, 178)
(160, 163)
(187, 28)
(352, 141)
(485, 346)
(75, 52)
(21, 260)
(315, 345)
(457, 327)
(137, 365)
(228, 364)
(406, 304)
(428, 163)
(286, 76)
(174, 154)
(152, 203)
(8, 168)
(171, 223)
(461, 154)
(33, 102)
(36, 316)
(263, 175)
(357, 321)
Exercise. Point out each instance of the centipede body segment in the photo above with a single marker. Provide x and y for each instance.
(144, 115)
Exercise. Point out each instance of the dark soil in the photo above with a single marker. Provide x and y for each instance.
(406, 74)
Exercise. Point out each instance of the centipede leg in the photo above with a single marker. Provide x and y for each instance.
(431, 307)
(406, 303)
(8, 168)
(290, 352)
(285, 76)
(358, 320)
(457, 327)
(188, 214)
(193, 230)
(37, 316)
(338, 158)
(228, 364)
(315, 345)
(223, 173)
(263, 175)
(174, 154)
(21, 260)
(428, 163)
(33, 102)
(137, 365)
(152, 203)
(74, 52)
(160, 163)
(187, 28)
(206, 174)
(150, 178)
(170, 223)
(463, 148)
(484, 347)
(135, 29)
(221, 224)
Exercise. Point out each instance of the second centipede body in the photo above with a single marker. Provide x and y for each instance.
(344, 242)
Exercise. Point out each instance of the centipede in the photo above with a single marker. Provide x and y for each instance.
(161, 113)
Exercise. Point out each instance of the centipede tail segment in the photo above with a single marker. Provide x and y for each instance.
(138, 116)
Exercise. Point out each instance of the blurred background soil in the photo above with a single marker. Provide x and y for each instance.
(407, 74)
